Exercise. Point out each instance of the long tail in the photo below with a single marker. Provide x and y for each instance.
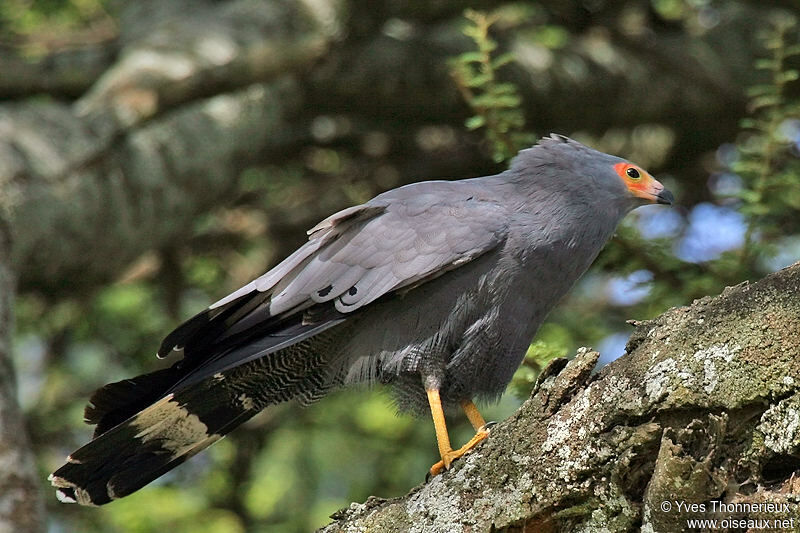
(152, 423)
(149, 444)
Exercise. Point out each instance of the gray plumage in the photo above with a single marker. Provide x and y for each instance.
(435, 285)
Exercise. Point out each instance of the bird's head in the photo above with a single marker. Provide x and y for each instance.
(642, 185)
(560, 165)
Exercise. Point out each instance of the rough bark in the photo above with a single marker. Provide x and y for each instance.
(703, 408)
(21, 509)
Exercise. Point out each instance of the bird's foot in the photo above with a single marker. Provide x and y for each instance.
(452, 455)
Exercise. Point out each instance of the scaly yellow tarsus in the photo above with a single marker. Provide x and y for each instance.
(473, 415)
(446, 451)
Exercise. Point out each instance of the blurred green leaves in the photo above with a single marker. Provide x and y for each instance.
(553, 340)
(768, 160)
(178, 511)
(496, 105)
(31, 25)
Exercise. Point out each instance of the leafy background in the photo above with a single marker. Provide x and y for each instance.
(288, 469)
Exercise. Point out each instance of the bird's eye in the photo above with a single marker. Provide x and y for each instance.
(633, 173)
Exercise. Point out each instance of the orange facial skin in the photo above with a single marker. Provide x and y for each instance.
(642, 184)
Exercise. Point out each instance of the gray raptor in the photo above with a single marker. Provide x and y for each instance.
(435, 288)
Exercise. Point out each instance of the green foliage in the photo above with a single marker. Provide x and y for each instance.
(670, 9)
(553, 341)
(771, 172)
(187, 512)
(495, 104)
(34, 25)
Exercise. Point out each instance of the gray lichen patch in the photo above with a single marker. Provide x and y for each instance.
(711, 357)
(780, 425)
(658, 380)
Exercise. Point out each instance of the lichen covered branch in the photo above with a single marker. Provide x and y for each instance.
(702, 409)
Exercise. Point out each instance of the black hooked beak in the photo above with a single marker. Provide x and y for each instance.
(665, 197)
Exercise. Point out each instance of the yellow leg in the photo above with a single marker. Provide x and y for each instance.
(473, 415)
(446, 452)
(439, 424)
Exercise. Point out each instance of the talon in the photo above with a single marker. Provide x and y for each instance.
(444, 464)
(437, 469)
(452, 455)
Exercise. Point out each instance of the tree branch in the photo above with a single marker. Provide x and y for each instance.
(64, 73)
(143, 190)
(21, 508)
(153, 144)
(199, 51)
(702, 407)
